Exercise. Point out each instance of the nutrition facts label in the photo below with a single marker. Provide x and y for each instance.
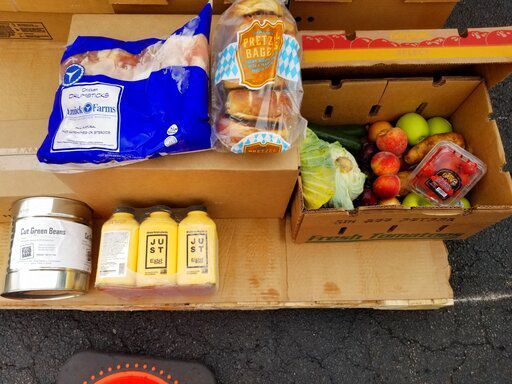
(115, 247)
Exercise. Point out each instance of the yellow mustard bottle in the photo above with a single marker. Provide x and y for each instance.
(117, 261)
(158, 247)
(197, 249)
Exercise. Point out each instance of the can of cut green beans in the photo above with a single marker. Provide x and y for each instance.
(50, 253)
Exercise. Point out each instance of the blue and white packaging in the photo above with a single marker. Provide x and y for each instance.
(120, 102)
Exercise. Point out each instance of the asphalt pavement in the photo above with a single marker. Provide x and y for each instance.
(469, 343)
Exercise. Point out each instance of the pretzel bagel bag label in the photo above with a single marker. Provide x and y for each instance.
(257, 53)
(257, 87)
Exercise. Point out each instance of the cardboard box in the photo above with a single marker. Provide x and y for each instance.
(263, 184)
(310, 14)
(112, 6)
(464, 99)
(7, 6)
(29, 26)
(57, 6)
(166, 6)
(31, 45)
(275, 273)
(352, 15)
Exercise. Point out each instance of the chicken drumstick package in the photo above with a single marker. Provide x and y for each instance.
(256, 79)
(120, 102)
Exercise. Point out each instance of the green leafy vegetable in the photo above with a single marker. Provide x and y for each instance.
(317, 170)
(349, 179)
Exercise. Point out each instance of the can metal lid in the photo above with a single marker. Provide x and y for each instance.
(53, 207)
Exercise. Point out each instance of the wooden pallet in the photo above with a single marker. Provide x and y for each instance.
(261, 268)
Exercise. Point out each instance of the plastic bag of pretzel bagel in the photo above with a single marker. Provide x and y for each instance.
(256, 79)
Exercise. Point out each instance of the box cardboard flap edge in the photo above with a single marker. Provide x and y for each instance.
(355, 1)
(371, 14)
(483, 51)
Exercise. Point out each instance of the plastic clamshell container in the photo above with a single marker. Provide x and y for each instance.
(446, 174)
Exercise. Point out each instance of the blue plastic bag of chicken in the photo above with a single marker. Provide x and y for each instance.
(124, 101)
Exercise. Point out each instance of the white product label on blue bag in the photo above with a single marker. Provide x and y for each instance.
(90, 117)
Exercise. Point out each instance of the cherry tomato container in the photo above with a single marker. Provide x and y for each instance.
(447, 174)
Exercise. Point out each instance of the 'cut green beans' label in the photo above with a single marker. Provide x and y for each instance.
(40, 242)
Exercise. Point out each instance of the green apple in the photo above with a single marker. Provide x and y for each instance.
(439, 125)
(415, 127)
(415, 200)
(465, 203)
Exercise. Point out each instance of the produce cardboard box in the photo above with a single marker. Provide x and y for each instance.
(275, 273)
(263, 184)
(352, 15)
(480, 59)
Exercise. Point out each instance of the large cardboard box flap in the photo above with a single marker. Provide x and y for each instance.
(322, 14)
(166, 6)
(261, 268)
(483, 51)
(111, 6)
(352, 15)
(32, 26)
(30, 52)
(57, 6)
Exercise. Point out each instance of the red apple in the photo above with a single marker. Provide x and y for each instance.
(385, 163)
(360, 42)
(393, 140)
(377, 128)
(368, 198)
(368, 150)
(386, 186)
